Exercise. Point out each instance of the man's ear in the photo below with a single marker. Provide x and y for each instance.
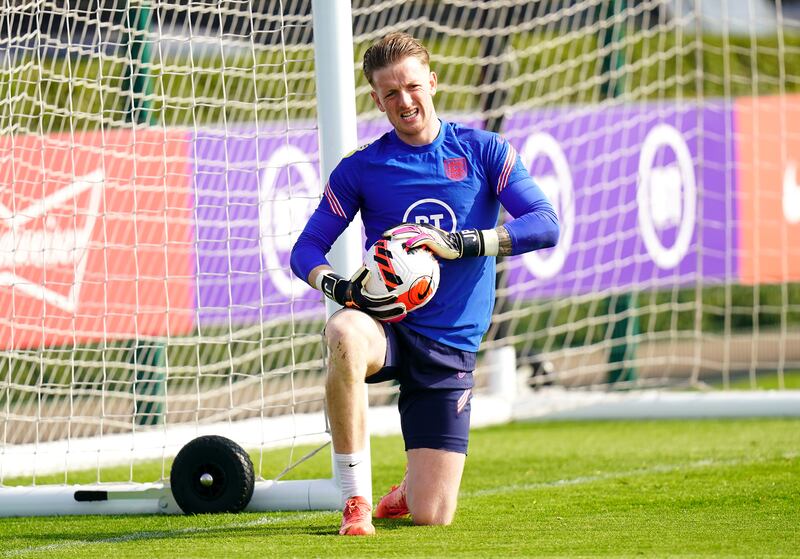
(434, 82)
(377, 101)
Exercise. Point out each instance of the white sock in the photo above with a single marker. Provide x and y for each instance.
(355, 475)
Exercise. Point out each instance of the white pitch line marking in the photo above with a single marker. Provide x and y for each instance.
(156, 534)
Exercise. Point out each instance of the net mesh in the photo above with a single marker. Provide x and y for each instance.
(159, 159)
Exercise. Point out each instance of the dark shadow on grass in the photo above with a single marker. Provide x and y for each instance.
(381, 525)
(392, 524)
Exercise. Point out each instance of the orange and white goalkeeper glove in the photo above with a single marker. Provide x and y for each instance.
(353, 295)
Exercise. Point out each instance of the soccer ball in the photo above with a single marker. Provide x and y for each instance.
(411, 275)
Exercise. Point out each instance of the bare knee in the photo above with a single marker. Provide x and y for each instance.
(433, 515)
(354, 343)
(341, 328)
(433, 477)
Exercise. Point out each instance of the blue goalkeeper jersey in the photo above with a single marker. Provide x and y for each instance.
(457, 182)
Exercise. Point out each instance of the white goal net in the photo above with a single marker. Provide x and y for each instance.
(159, 158)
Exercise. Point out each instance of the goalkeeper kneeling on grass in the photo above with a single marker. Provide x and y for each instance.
(444, 184)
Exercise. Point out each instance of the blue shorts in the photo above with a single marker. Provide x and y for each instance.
(435, 388)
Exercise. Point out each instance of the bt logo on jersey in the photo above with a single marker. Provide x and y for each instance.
(433, 212)
(435, 219)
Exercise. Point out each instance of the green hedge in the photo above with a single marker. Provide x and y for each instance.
(769, 307)
(61, 94)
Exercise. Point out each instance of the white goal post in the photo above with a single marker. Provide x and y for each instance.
(333, 54)
(159, 158)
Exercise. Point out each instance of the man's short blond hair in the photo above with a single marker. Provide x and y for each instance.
(393, 48)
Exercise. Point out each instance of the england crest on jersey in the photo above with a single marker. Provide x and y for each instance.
(455, 169)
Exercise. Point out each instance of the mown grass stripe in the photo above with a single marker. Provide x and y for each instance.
(656, 469)
(295, 517)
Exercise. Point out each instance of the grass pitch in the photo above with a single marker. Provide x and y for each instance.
(728, 488)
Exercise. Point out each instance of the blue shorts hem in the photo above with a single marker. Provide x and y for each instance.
(436, 443)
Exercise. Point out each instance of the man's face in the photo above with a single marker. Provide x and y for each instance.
(404, 91)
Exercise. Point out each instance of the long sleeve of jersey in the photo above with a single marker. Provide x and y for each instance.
(534, 224)
(314, 243)
(330, 219)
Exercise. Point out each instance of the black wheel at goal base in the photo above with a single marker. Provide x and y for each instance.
(212, 474)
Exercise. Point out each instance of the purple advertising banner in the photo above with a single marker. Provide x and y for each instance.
(254, 191)
(644, 194)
